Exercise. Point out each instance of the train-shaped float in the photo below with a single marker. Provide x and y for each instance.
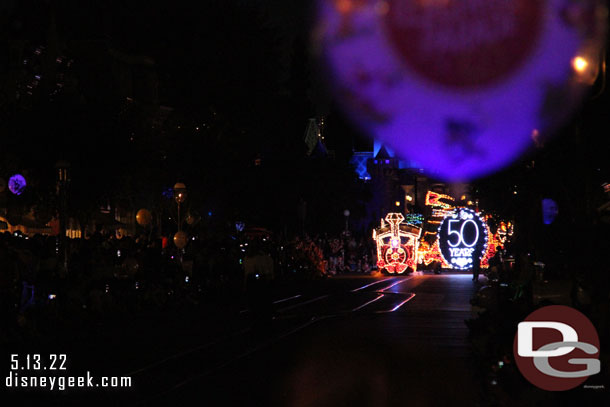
(453, 237)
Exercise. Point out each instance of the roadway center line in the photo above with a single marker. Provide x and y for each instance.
(399, 305)
(396, 283)
(367, 303)
(368, 285)
(303, 303)
(287, 299)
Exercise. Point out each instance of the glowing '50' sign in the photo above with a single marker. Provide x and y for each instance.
(462, 237)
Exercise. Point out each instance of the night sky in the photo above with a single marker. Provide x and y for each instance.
(137, 95)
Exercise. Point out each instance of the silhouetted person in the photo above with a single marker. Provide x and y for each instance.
(437, 267)
(476, 267)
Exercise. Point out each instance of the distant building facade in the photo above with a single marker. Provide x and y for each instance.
(399, 185)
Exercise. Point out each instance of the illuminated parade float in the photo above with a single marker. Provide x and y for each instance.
(462, 238)
(397, 244)
(451, 237)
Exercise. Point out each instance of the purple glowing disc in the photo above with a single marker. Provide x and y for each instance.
(16, 184)
(461, 87)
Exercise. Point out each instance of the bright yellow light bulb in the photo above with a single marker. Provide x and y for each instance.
(579, 64)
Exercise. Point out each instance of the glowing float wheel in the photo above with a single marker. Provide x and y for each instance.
(398, 255)
(396, 259)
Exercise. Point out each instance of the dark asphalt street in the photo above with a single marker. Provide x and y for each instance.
(354, 341)
(341, 341)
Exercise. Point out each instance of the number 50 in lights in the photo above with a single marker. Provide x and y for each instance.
(462, 236)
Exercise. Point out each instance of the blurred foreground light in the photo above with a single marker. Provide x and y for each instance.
(16, 184)
(586, 65)
(458, 86)
(180, 239)
(579, 64)
(143, 217)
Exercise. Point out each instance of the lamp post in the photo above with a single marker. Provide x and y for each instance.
(180, 197)
(180, 238)
(346, 214)
(408, 203)
(62, 183)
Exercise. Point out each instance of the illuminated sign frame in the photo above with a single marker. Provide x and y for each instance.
(455, 247)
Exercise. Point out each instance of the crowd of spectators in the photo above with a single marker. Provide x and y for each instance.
(336, 255)
(103, 276)
(517, 284)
